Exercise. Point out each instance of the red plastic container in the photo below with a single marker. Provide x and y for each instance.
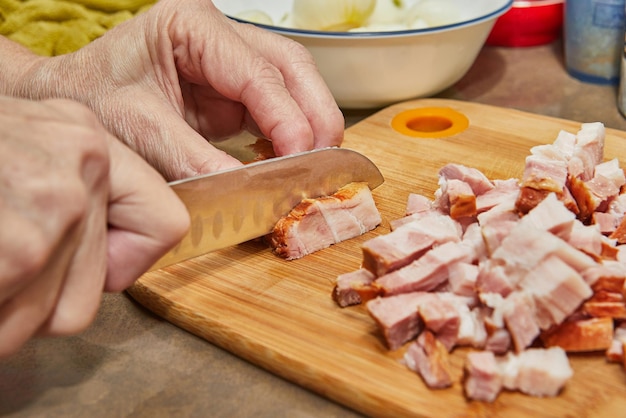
(528, 23)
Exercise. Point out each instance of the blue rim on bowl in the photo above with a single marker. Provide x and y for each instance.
(378, 34)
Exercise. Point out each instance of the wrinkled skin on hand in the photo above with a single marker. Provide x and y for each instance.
(181, 73)
(77, 206)
(72, 224)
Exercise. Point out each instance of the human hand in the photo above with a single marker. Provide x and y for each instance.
(181, 73)
(78, 215)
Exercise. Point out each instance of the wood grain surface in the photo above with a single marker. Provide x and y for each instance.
(279, 314)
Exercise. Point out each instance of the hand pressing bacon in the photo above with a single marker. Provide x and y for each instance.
(522, 270)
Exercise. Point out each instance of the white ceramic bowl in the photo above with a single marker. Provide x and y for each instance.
(375, 69)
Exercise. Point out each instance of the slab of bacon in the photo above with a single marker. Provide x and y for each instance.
(522, 270)
(315, 224)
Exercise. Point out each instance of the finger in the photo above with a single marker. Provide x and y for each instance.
(240, 73)
(27, 311)
(84, 275)
(25, 250)
(39, 208)
(187, 153)
(84, 280)
(304, 83)
(145, 217)
(79, 298)
(51, 203)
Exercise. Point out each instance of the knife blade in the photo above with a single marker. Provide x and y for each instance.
(236, 205)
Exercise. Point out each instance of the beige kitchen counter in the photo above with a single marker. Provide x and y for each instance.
(132, 364)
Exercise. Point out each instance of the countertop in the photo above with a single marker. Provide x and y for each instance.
(130, 363)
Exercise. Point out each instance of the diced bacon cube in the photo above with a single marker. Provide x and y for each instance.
(565, 143)
(586, 238)
(462, 200)
(612, 171)
(429, 358)
(616, 209)
(495, 305)
(397, 316)
(462, 278)
(557, 290)
(355, 287)
(603, 190)
(536, 372)
(386, 253)
(499, 341)
(518, 312)
(397, 223)
(496, 224)
(503, 211)
(589, 150)
(475, 178)
(427, 272)
(417, 203)
(492, 278)
(553, 151)
(606, 222)
(605, 304)
(606, 296)
(620, 232)
(570, 203)
(541, 173)
(473, 238)
(529, 197)
(483, 378)
(442, 317)
(615, 310)
(615, 353)
(608, 276)
(586, 201)
(618, 205)
(540, 372)
(583, 335)
(504, 191)
(550, 215)
(609, 251)
(472, 331)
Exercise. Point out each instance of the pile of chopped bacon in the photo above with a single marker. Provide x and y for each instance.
(522, 270)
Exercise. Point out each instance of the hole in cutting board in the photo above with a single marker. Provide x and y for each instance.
(430, 122)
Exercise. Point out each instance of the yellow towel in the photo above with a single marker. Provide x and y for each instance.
(54, 27)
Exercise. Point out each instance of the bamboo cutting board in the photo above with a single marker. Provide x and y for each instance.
(279, 314)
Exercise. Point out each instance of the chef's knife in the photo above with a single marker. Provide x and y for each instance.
(236, 205)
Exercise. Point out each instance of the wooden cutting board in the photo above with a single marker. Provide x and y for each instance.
(279, 314)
